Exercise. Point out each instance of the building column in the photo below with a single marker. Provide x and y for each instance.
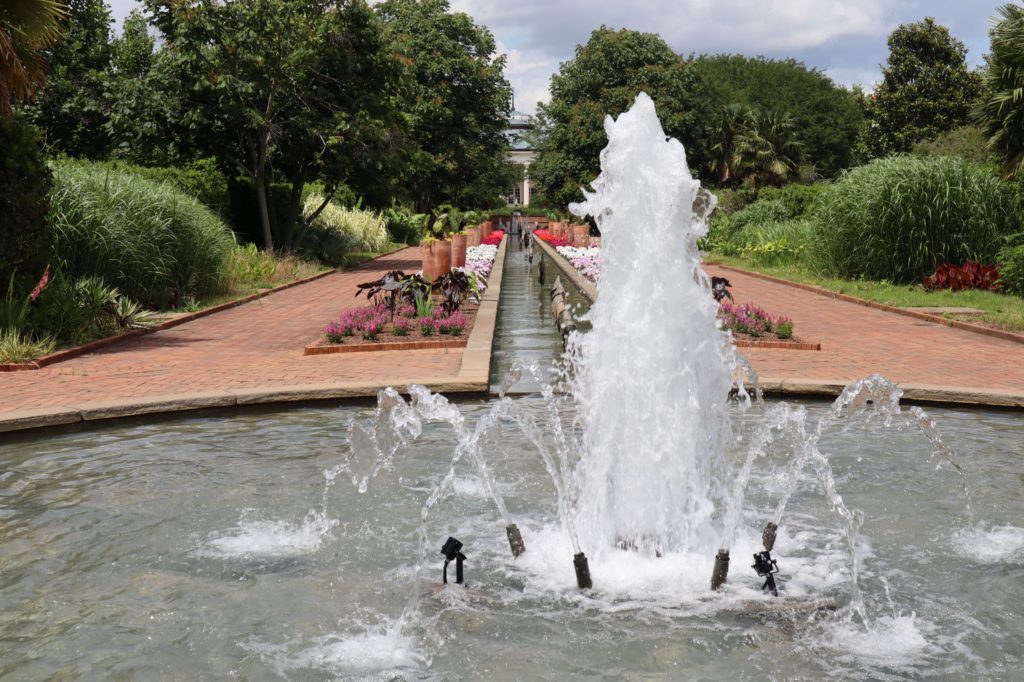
(526, 185)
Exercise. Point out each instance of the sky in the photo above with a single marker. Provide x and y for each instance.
(846, 39)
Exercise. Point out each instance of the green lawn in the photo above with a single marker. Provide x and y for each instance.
(1001, 310)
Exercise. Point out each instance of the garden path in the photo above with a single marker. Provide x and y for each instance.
(254, 346)
(857, 341)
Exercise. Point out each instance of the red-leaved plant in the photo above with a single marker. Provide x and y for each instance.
(970, 275)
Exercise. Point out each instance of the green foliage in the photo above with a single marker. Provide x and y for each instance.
(403, 226)
(456, 101)
(926, 89)
(604, 78)
(337, 230)
(26, 29)
(901, 217)
(26, 237)
(74, 311)
(288, 91)
(968, 142)
(200, 180)
(999, 112)
(247, 269)
(828, 118)
(1011, 264)
(785, 242)
(72, 109)
(797, 199)
(153, 243)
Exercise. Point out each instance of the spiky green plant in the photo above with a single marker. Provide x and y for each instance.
(899, 218)
(338, 230)
(17, 347)
(27, 27)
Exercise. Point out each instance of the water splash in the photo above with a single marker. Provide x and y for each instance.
(652, 377)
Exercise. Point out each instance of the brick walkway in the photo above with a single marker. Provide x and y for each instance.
(257, 345)
(857, 341)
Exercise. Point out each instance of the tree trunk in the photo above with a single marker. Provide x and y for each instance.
(261, 199)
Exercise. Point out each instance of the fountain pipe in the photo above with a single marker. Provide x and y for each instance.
(579, 562)
(721, 570)
(515, 539)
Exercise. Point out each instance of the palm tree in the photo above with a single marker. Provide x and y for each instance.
(769, 148)
(1001, 111)
(725, 162)
(26, 28)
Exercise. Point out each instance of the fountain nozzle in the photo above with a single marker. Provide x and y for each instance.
(515, 539)
(452, 551)
(721, 570)
(579, 562)
(768, 536)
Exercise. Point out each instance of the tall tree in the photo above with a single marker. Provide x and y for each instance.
(27, 27)
(768, 149)
(1000, 112)
(72, 108)
(604, 78)
(284, 90)
(829, 118)
(456, 103)
(926, 89)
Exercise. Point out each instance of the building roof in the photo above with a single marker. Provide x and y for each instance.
(519, 123)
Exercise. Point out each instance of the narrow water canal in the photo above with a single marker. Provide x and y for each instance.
(526, 334)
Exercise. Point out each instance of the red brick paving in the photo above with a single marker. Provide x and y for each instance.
(257, 345)
(857, 341)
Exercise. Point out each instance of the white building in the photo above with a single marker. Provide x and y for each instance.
(520, 152)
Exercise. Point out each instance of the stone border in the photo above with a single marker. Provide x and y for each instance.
(588, 288)
(321, 347)
(76, 351)
(957, 324)
(776, 344)
(473, 377)
(475, 370)
(925, 393)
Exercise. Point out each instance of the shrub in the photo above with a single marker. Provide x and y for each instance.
(201, 180)
(150, 241)
(26, 237)
(1011, 265)
(899, 218)
(18, 347)
(74, 311)
(970, 275)
(338, 230)
(797, 198)
(781, 243)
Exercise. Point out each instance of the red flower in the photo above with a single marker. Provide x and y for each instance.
(42, 285)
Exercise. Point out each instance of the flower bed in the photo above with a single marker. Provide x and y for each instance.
(586, 260)
(428, 324)
(494, 239)
(546, 236)
(747, 320)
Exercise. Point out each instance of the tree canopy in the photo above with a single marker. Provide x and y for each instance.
(455, 102)
(828, 118)
(926, 89)
(604, 77)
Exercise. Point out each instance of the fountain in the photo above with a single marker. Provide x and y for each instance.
(204, 546)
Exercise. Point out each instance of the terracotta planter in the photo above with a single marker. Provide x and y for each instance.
(581, 236)
(429, 260)
(473, 236)
(485, 229)
(459, 242)
(443, 249)
(558, 230)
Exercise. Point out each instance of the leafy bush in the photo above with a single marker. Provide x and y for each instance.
(147, 239)
(201, 180)
(74, 311)
(970, 275)
(782, 243)
(26, 237)
(967, 142)
(899, 218)
(1011, 265)
(405, 227)
(338, 230)
(246, 267)
(798, 199)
